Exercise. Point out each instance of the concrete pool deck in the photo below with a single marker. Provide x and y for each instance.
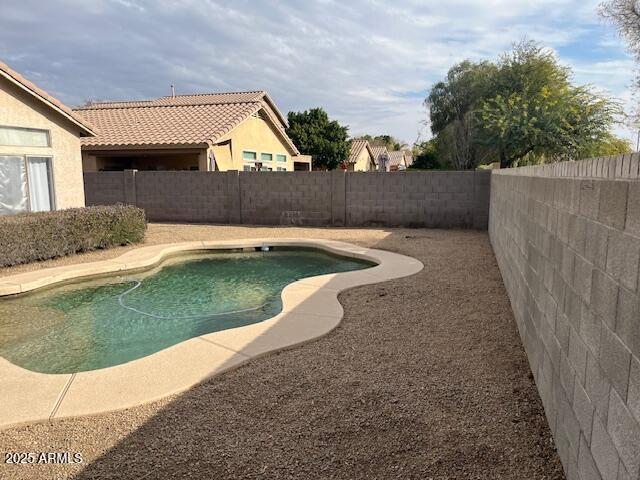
(310, 309)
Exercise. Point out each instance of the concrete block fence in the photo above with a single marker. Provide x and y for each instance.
(567, 240)
(413, 199)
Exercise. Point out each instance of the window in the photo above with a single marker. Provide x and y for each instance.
(249, 156)
(25, 184)
(24, 137)
(13, 185)
(266, 157)
(282, 169)
(281, 158)
(247, 168)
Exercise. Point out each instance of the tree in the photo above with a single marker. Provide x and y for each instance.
(466, 85)
(523, 105)
(388, 141)
(537, 109)
(452, 107)
(625, 14)
(457, 142)
(314, 134)
(425, 156)
(608, 146)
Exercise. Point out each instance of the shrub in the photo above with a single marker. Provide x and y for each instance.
(29, 237)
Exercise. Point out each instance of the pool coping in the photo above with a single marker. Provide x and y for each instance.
(310, 309)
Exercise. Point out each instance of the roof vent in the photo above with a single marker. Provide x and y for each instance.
(173, 92)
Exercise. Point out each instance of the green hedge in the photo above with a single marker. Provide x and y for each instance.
(29, 237)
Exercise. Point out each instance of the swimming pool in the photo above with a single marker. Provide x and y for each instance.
(109, 321)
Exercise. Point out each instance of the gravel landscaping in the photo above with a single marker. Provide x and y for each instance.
(424, 378)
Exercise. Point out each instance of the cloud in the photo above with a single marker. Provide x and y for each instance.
(369, 63)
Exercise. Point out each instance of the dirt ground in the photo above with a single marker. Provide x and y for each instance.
(424, 378)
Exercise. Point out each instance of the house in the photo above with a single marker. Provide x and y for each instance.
(396, 161)
(361, 157)
(399, 160)
(40, 159)
(381, 157)
(206, 132)
(408, 158)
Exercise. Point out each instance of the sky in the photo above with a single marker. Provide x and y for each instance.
(368, 63)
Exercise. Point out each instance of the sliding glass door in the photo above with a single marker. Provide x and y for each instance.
(25, 184)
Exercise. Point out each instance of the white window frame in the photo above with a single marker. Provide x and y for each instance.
(52, 183)
(28, 129)
(281, 155)
(282, 169)
(266, 161)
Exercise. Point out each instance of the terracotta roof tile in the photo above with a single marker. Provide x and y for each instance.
(357, 145)
(43, 96)
(195, 99)
(395, 157)
(180, 120)
(378, 150)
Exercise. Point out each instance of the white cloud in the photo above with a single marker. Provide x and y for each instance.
(363, 61)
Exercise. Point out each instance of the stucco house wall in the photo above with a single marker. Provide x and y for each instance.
(364, 163)
(254, 135)
(20, 109)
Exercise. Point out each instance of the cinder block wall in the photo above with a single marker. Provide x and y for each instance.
(418, 199)
(182, 196)
(294, 198)
(104, 188)
(429, 199)
(567, 240)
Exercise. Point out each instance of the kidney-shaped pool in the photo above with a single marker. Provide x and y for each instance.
(108, 321)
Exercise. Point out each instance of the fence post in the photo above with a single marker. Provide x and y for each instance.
(234, 197)
(338, 198)
(129, 178)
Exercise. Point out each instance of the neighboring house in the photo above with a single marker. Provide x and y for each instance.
(408, 158)
(361, 157)
(211, 131)
(40, 160)
(381, 157)
(396, 161)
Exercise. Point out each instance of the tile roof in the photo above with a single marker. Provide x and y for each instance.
(194, 99)
(395, 157)
(357, 145)
(31, 88)
(378, 150)
(181, 120)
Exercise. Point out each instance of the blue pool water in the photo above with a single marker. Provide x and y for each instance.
(113, 320)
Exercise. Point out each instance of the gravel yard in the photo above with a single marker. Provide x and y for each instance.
(424, 378)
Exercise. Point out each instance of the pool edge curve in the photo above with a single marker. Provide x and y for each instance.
(310, 309)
